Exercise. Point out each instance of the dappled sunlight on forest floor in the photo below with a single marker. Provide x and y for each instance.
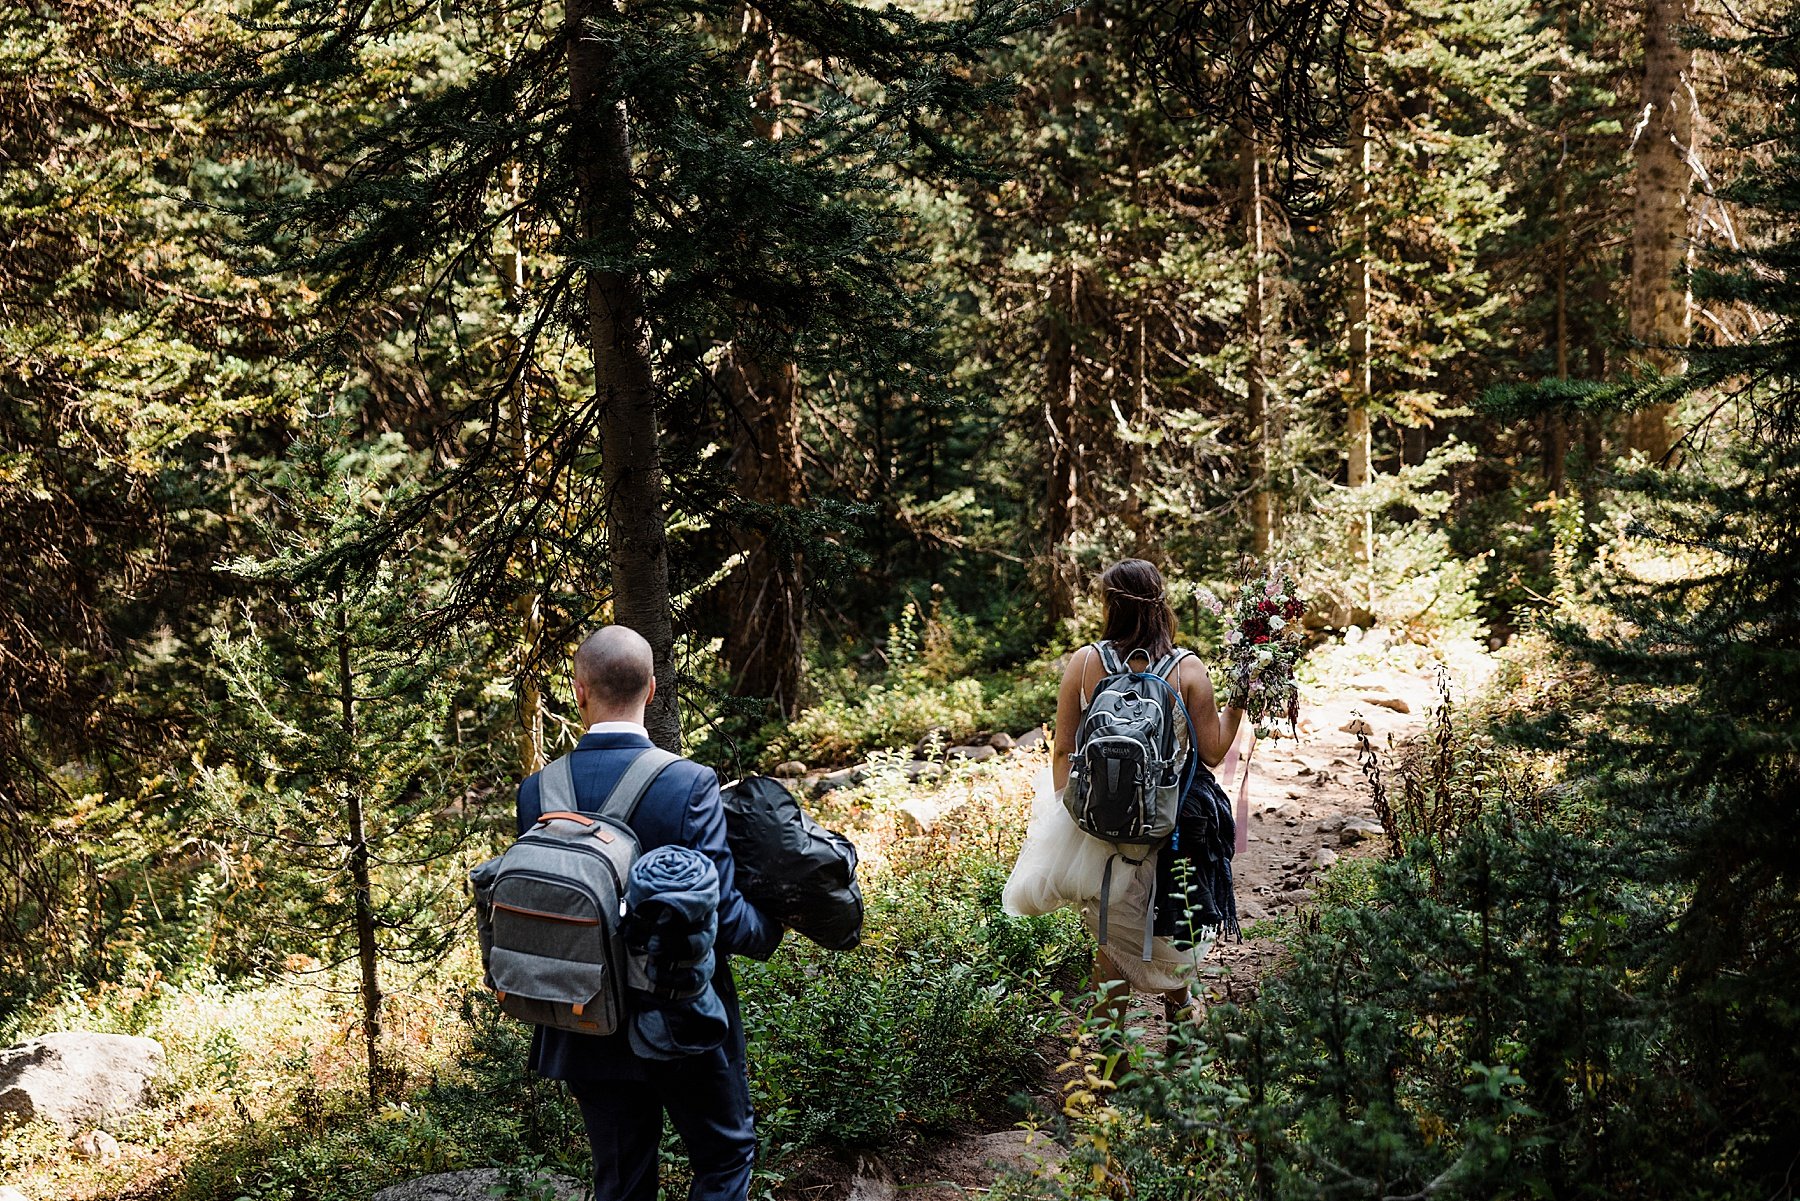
(264, 1079)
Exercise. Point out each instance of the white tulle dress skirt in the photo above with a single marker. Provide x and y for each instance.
(1061, 866)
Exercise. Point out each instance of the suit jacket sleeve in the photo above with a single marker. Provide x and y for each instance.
(529, 803)
(743, 928)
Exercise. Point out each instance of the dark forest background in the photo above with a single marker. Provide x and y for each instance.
(356, 359)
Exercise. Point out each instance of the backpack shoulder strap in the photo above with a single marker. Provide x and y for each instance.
(1169, 662)
(556, 787)
(1110, 662)
(622, 802)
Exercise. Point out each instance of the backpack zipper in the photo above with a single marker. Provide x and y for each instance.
(548, 917)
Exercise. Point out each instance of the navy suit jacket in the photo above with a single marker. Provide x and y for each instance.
(681, 807)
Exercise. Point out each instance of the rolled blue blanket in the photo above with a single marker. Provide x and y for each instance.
(672, 902)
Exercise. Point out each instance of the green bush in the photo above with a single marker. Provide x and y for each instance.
(900, 708)
(933, 1021)
(481, 1110)
(1480, 1022)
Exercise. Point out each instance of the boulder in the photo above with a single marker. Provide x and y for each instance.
(97, 1144)
(919, 816)
(872, 1182)
(971, 754)
(1034, 737)
(76, 1079)
(1388, 702)
(793, 769)
(1019, 1148)
(484, 1184)
(922, 769)
(932, 744)
(1296, 896)
(1357, 725)
(1323, 858)
(1359, 829)
(844, 777)
(1001, 742)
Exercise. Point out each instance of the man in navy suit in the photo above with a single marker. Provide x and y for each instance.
(622, 1097)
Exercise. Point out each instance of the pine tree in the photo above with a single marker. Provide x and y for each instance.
(623, 142)
(136, 368)
(332, 767)
(1699, 749)
(1662, 140)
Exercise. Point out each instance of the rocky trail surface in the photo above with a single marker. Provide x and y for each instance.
(1309, 806)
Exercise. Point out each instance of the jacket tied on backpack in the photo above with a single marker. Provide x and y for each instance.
(1133, 762)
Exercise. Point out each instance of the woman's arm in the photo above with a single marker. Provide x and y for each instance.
(1068, 716)
(1214, 730)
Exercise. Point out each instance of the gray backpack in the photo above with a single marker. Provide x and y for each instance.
(1133, 761)
(550, 910)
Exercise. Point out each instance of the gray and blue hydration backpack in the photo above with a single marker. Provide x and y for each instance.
(1133, 760)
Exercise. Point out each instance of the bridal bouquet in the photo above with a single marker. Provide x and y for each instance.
(1262, 646)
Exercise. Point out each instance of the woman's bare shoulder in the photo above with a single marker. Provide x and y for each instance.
(1192, 670)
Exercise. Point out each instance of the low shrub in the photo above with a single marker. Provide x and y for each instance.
(935, 1020)
(900, 708)
(1479, 1021)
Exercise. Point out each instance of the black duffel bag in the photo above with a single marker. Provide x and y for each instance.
(791, 867)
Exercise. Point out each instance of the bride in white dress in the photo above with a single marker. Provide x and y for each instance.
(1059, 864)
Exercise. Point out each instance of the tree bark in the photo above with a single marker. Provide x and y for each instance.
(1256, 392)
(631, 460)
(361, 888)
(1556, 433)
(1060, 441)
(1659, 241)
(763, 643)
(1357, 429)
(528, 605)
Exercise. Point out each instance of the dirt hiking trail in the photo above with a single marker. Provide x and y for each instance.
(1309, 806)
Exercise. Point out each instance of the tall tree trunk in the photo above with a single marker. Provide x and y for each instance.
(630, 457)
(1134, 512)
(528, 605)
(1556, 450)
(1256, 392)
(1659, 242)
(361, 889)
(1060, 440)
(767, 599)
(1357, 430)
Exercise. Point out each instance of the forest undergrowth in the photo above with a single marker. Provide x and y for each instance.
(948, 1018)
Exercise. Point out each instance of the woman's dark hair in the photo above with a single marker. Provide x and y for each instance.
(1138, 613)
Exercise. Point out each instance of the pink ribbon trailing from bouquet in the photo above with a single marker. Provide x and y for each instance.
(1243, 796)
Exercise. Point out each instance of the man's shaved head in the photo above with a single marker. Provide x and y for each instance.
(615, 666)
